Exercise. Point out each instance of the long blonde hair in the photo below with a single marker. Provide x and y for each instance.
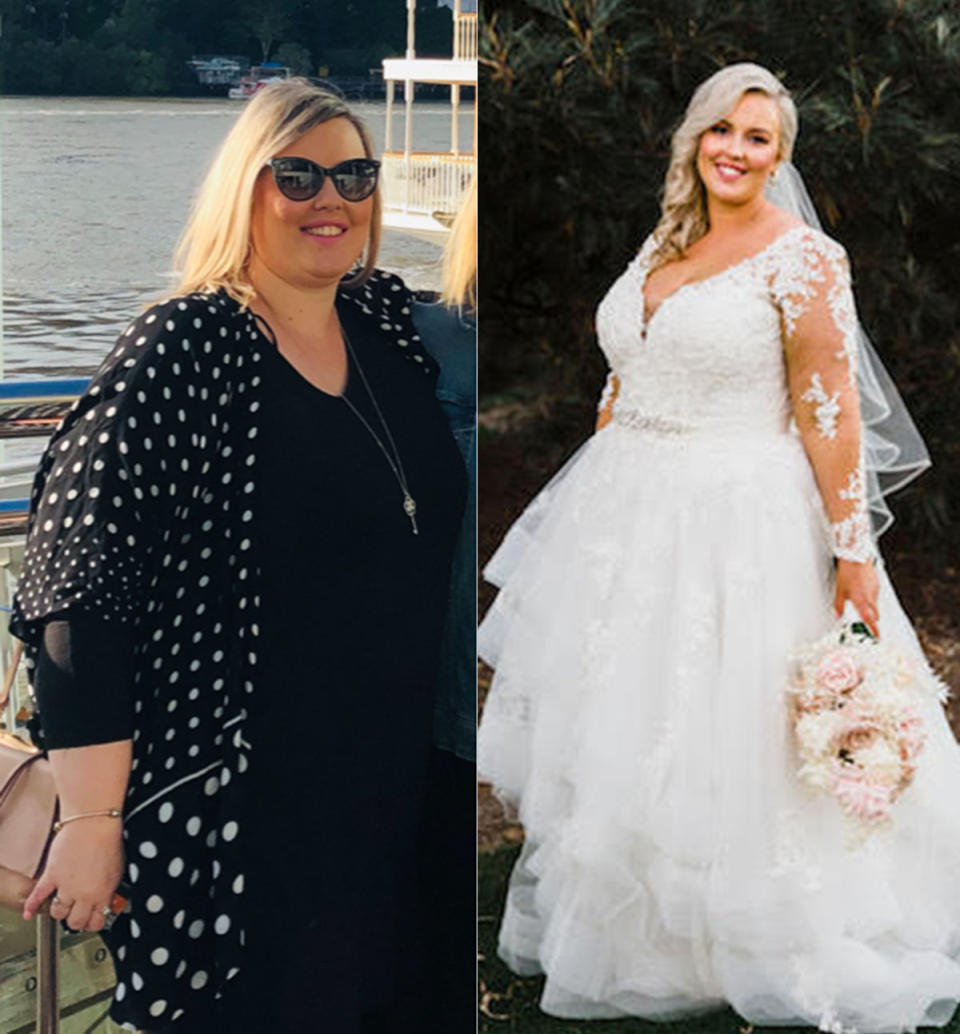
(460, 254)
(214, 249)
(683, 218)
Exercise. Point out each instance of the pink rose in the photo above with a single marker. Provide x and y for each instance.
(857, 737)
(813, 699)
(860, 798)
(859, 715)
(910, 734)
(837, 673)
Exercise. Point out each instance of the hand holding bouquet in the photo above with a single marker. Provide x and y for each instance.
(857, 721)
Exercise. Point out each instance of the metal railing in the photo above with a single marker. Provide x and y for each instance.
(29, 409)
(426, 183)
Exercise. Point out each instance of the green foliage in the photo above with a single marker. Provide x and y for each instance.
(32, 62)
(579, 100)
(356, 60)
(296, 58)
(68, 46)
(268, 21)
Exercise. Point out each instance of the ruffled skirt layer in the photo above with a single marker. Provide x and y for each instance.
(650, 598)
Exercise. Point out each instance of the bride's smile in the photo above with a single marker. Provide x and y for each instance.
(738, 153)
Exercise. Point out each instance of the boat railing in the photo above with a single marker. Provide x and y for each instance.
(465, 36)
(426, 182)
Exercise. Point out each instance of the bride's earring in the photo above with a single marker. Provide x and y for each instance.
(773, 176)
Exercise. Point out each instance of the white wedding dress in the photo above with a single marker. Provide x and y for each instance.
(650, 597)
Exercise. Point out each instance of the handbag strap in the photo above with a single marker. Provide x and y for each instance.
(14, 777)
(11, 674)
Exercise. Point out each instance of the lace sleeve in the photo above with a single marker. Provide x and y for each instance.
(820, 328)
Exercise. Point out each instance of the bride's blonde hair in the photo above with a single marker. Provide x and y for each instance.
(683, 217)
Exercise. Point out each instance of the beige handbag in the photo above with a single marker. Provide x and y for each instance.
(28, 808)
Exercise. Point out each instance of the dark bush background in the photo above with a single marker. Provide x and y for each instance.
(579, 98)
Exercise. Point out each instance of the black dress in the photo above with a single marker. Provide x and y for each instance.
(352, 607)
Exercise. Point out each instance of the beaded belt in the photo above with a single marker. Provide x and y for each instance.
(641, 422)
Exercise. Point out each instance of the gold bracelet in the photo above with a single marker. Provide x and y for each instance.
(110, 813)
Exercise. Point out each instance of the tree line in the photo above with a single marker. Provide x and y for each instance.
(141, 47)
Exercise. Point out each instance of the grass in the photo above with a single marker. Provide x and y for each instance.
(508, 1003)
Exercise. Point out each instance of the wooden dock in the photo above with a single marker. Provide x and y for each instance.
(86, 980)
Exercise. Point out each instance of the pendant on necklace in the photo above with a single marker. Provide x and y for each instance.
(410, 509)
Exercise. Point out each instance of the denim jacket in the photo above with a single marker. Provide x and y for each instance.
(450, 336)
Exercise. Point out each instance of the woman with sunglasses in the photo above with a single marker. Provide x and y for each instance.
(233, 597)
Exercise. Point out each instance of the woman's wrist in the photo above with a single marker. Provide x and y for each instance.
(114, 815)
(851, 537)
(92, 779)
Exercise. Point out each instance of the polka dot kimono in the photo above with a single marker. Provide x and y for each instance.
(143, 511)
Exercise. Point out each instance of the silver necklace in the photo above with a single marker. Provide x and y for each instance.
(409, 504)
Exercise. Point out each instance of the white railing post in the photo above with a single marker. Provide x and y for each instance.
(455, 118)
(426, 183)
(454, 87)
(408, 89)
(465, 36)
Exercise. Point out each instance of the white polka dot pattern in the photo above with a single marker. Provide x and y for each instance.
(141, 511)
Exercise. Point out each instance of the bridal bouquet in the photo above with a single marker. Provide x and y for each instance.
(858, 727)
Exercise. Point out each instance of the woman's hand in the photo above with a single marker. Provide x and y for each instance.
(859, 584)
(83, 869)
(85, 863)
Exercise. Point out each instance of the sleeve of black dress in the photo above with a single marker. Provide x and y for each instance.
(132, 457)
(82, 682)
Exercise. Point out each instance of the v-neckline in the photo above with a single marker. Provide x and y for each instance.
(301, 377)
(338, 396)
(648, 317)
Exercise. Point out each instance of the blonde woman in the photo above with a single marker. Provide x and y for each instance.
(234, 592)
(651, 597)
(448, 912)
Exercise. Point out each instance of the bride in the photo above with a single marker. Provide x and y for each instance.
(651, 597)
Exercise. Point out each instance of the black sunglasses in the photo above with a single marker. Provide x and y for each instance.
(301, 179)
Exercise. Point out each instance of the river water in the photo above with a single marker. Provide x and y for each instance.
(95, 193)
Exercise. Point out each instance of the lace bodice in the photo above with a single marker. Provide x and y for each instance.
(765, 345)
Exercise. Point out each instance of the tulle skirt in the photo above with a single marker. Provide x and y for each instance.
(650, 598)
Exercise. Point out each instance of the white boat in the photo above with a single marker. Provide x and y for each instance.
(258, 77)
(217, 69)
(422, 189)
